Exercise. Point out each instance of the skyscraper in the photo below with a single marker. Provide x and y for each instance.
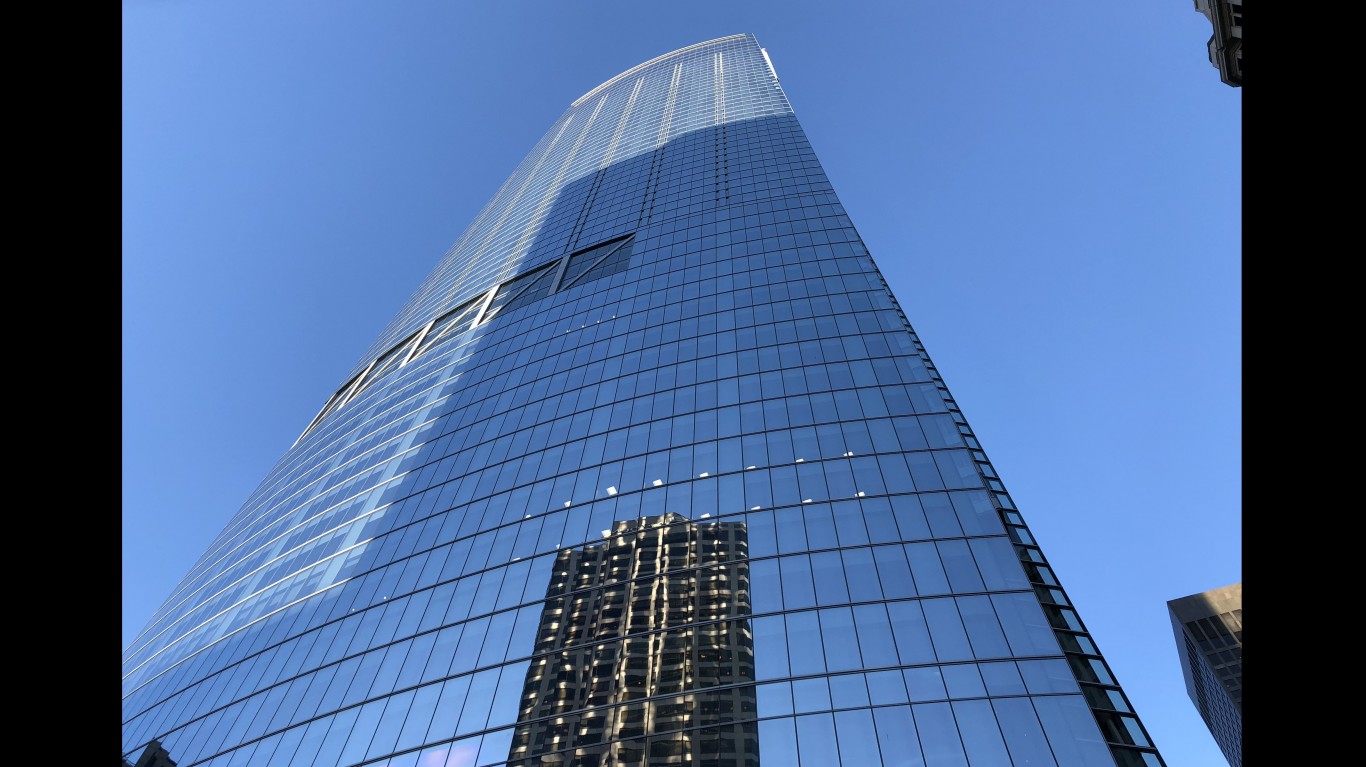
(1226, 44)
(650, 470)
(1209, 641)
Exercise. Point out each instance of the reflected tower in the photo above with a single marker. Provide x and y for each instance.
(651, 469)
(644, 655)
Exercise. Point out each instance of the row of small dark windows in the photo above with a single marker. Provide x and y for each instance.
(580, 267)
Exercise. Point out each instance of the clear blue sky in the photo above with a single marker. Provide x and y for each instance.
(1052, 190)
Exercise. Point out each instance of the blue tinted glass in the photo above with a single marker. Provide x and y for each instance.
(766, 591)
(849, 523)
(927, 568)
(804, 645)
(1045, 676)
(770, 648)
(798, 588)
(939, 735)
(857, 738)
(998, 563)
(861, 574)
(897, 738)
(946, 628)
(811, 695)
(774, 699)
(1023, 734)
(1024, 624)
(925, 683)
(816, 740)
(984, 631)
(1072, 731)
(963, 681)
(841, 641)
(828, 571)
(981, 736)
(961, 569)
(848, 691)
(910, 517)
(1002, 678)
(875, 640)
(779, 739)
(912, 635)
(886, 687)
(894, 573)
(658, 388)
(976, 513)
(877, 513)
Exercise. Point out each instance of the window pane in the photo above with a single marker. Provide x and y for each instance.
(1025, 626)
(857, 738)
(811, 695)
(983, 629)
(896, 736)
(961, 569)
(939, 735)
(804, 644)
(1024, 736)
(950, 640)
(893, 572)
(798, 590)
(886, 687)
(963, 681)
(841, 641)
(828, 571)
(999, 565)
(910, 517)
(1072, 731)
(981, 736)
(925, 683)
(816, 740)
(778, 741)
(1001, 678)
(875, 636)
(928, 571)
(848, 691)
(976, 513)
(912, 636)
(1046, 676)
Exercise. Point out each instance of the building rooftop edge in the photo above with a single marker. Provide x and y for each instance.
(656, 60)
(1206, 603)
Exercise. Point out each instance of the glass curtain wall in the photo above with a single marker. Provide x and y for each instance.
(651, 470)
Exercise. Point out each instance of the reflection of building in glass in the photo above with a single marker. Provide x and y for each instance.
(647, 615)
(665, 314)
(1209, 640)
(152, 756)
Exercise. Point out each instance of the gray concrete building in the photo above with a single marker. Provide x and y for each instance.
(1226, 44)
(1209, 641)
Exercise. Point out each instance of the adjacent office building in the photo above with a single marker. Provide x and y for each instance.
(1209, 641)
(651, 470)
(1226, 44)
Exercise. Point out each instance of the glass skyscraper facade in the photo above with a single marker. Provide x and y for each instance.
(651, 470)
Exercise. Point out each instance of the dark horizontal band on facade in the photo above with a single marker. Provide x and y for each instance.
(496, 338)
(587, 264)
